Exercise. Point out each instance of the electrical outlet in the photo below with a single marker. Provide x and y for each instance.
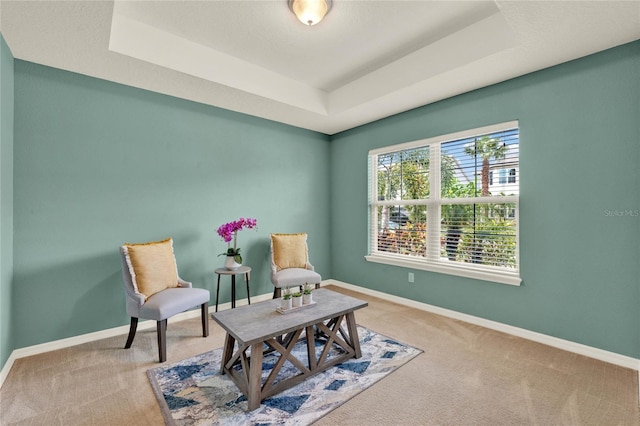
(410, 277)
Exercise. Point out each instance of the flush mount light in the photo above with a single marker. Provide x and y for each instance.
(310, 12)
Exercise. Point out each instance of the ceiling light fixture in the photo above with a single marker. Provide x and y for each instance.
(310, 12)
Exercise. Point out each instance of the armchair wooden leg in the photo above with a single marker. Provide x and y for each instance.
(277, 292)
(162, 340)
(132, 332)
(204, 311)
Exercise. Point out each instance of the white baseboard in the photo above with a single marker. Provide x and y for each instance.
(600, 354)
(103, 334)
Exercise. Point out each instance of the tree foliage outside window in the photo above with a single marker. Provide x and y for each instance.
(433, 200)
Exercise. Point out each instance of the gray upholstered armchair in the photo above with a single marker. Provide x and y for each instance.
(290, 265)
(154, 291)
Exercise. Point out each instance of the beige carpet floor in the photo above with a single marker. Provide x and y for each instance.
(467, 375)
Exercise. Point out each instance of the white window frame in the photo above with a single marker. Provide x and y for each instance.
(432, 261)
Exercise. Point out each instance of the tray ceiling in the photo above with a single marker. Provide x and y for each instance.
(366, 60)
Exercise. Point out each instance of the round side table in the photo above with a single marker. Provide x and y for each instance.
(243, 270)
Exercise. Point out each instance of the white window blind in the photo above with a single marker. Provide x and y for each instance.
(434, 205)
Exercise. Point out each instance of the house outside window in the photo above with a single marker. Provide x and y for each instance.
(432, 205)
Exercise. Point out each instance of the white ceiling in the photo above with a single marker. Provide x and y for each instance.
(366, 60)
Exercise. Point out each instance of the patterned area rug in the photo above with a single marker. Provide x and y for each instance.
(192, 391)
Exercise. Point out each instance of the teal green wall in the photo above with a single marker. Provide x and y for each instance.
(6, 199)
(98, 164)
(579, 158)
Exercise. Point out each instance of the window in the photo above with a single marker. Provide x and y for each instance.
(431, 205)
(503, 177)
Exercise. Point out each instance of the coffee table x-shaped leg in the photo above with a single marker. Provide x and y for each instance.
(248, 376)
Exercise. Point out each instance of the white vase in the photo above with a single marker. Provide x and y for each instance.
(307, 298)
(297, 301)
(231, 264)
(285, 304)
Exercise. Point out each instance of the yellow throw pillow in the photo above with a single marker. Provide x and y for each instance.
(152, 266)
(289, 250)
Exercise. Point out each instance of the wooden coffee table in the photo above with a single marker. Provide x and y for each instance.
(253, 326)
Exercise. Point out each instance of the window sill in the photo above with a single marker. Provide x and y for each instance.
(443, 268)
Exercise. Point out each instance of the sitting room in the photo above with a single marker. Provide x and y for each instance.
(465, 176)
